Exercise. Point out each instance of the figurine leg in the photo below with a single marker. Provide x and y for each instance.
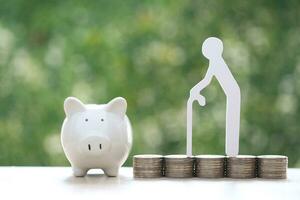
(78, 172)
(232, 125)
(111, 171)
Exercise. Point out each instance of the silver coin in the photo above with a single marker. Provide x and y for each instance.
(209, 166)
(241, 166)
(179, 166)
(148, 166)
(272, 166)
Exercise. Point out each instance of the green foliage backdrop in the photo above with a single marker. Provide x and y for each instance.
(149, 53)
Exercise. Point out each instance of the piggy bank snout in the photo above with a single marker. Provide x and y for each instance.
(95, 145)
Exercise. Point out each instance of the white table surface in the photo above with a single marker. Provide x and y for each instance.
(58, 183)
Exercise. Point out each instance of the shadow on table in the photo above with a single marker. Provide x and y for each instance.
(94, 177)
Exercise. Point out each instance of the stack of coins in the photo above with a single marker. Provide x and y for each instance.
(272, 166)
(147, 166)
(210, 166)
(179, 166)
(241, 166)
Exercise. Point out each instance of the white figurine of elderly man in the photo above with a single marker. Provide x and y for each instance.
(212, 49)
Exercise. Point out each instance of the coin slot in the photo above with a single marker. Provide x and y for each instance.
(89, 146)
(100, 146)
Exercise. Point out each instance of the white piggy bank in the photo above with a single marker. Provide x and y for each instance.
(96, 136)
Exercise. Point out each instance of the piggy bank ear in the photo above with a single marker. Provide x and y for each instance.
(118, 106)
(73, 105)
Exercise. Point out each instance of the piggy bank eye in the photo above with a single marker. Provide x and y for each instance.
(86, 119)
(102, 120)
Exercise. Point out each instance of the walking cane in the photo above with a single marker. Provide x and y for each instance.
(189, 128)
(189, 120)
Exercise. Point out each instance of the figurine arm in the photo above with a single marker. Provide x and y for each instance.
(203, 83)
(195, 91)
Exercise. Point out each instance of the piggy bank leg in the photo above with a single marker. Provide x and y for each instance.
(79, 172)
(111, 171)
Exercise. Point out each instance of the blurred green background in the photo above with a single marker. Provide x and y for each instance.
(149, 53)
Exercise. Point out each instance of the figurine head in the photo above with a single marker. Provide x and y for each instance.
(212, 48)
